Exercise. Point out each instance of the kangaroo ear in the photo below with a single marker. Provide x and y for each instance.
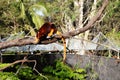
(53, 26)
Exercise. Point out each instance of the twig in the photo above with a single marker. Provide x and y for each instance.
(23, 61)
(20, 66)
(13, 64)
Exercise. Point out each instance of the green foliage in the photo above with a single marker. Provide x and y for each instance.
(22, 10)
(113, 7)
(8, 12)
(62, 71)
(38, 13)
(2, 65)
(61, 10)
(8, 76)
(19, 15)
(59, 71)
(114, 36)
(26, 73)
(111, 19)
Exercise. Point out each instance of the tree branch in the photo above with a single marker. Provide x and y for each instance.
(17, 42)
(89, 24)
(31, 40)
(16, 62)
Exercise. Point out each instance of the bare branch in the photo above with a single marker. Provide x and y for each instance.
(16, 62)
(23, 61)
(90, 23)
(17, 42)
(31, 40)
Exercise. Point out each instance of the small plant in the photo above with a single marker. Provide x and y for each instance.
(114, 36)
(8, 76)
(58, 71)
(2, 65)
(26, 73)
(64, 72)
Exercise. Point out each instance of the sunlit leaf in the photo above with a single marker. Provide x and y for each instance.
(22, 8)
(2, 65)
(38, 13)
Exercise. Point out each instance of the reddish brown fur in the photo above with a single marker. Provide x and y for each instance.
(49, 29)
(45, 30)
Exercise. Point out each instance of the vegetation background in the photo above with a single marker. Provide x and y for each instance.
(28, 15)
(24, 17)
